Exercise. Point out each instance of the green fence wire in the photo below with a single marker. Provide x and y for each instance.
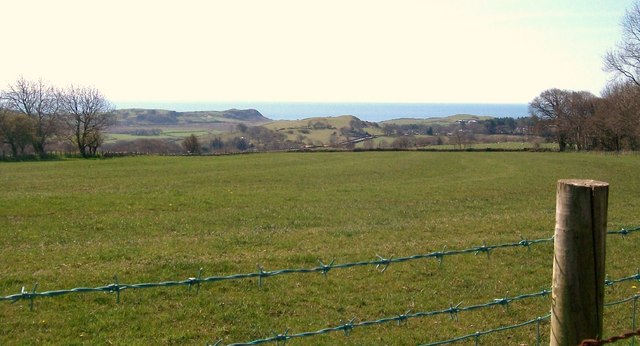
(380, 263)
(477, 335)
(538, 320)
(452, 311)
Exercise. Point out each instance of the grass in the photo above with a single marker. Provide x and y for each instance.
(78, 223)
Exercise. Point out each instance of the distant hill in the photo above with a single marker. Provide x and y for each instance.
(439, 121)
(315, 122)
(159, 117)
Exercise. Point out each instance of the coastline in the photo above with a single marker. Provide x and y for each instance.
(365, 111)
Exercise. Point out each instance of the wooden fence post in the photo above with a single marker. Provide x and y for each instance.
(578, 262)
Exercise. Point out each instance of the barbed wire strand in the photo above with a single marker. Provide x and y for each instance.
(608, 282)
(633, 298)
(452, 311)
(477, 335)
(624, 231)
(598, 342)
(380, 263)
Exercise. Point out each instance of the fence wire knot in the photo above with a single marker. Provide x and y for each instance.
(195, 281)
(261, 274)
(348, 327)
(453, 311)
(504, 302)
(404, 318)
(282, 337)
(608, 282)
(440, 255)
(115, 287)
(484, 248)
(326, 267)
(383, 261)
(28, 295)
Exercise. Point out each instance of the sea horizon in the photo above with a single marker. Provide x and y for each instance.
(367, 111)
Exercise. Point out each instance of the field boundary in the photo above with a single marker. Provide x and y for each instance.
(381, 264)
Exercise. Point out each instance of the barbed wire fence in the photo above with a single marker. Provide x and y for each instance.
(453, 312)
(381, 264)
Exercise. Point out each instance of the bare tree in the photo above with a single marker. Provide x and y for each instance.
(403, 142)
(39, 102)
(567, 114)
(191, 144)
(86, 113)
(461, 138)
(624, 59)
(3, 114)
(618, 117)
(579, 122)
(16, 130)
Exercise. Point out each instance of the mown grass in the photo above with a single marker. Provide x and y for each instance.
(72, 223)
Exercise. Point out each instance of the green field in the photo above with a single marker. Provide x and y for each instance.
(166, 134)
(78, 223)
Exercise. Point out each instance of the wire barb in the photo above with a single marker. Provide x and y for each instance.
(504, 302)
(453, 311)
(115, 288)
(484, 248)
(403, 318)
(261, 274)
(282, 337)
(195, 281)
(440, 255)
(30, 295)
(347, 327)
(326, 267)
(380, 263)
(383, 261)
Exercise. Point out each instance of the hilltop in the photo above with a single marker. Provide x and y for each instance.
(133, 117)
(437, 120)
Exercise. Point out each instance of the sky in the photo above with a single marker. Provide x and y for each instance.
(454, 51)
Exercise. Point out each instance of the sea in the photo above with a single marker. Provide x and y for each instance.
(375, 112)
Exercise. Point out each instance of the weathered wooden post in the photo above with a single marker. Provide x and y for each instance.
(578, 261)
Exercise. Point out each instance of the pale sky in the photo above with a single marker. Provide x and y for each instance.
(456, 51)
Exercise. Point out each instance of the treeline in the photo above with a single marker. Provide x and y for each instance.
(249, 138)
(493, 126)
(36, 118)
(579, 120)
